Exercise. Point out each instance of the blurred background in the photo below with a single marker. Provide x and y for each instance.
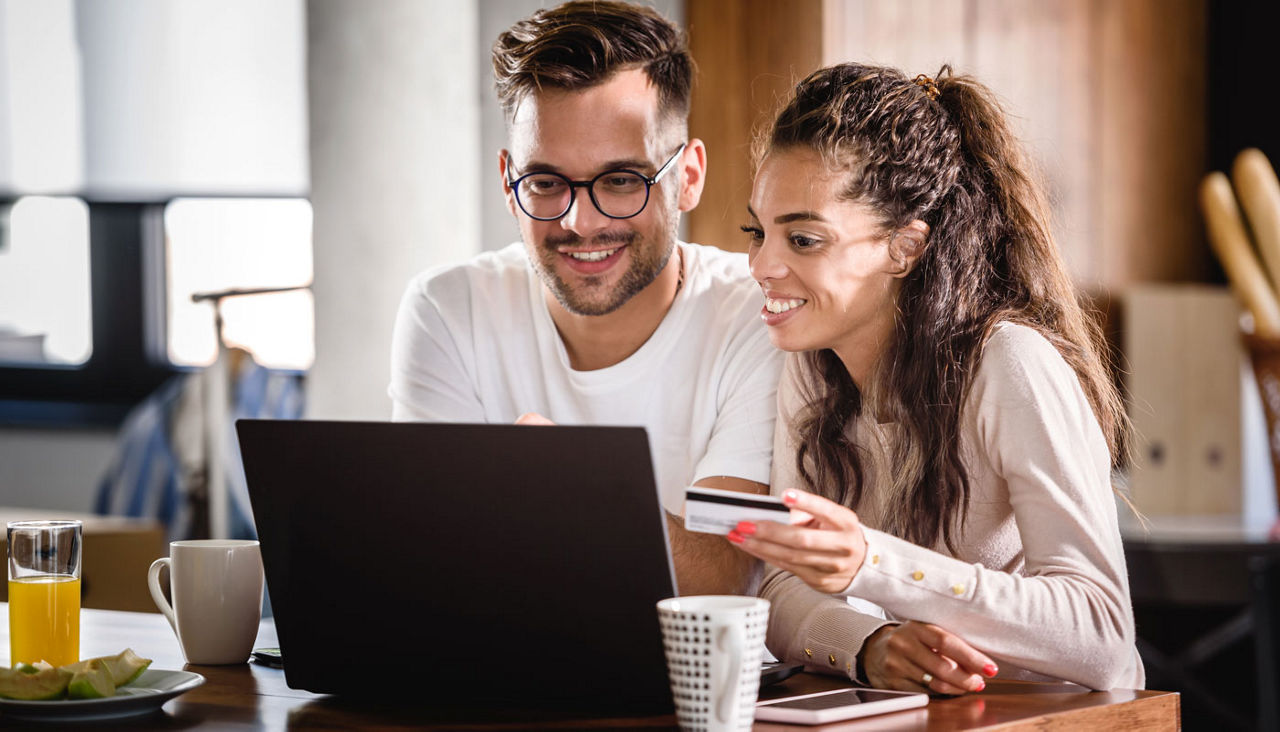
(325, 151)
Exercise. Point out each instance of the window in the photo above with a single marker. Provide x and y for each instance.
(115, 115)
(45, 314)
(214, 245)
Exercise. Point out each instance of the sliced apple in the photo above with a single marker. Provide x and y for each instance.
(33, 683)
(94, 682)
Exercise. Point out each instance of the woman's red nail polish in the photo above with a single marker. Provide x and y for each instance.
(790, 497)
(736, 538)
(990, 669)
(746, 528)
(981, 685)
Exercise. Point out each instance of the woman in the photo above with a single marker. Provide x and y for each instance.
(946, 416)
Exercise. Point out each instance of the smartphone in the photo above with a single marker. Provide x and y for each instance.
(772, 673)
(836, 705)
(268, 657)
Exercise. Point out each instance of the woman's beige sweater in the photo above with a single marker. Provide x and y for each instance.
(1038, 582)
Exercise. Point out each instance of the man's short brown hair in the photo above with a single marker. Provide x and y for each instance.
(584, 42)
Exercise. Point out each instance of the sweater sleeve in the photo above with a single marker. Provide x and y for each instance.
(821, 631)
(1069, 615)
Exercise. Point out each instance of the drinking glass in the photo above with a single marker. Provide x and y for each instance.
(44, 591)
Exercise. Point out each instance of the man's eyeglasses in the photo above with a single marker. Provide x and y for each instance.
(618, 194)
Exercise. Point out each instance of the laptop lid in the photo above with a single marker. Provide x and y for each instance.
(473, 562)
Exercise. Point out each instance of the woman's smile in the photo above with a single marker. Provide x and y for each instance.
(822, 261)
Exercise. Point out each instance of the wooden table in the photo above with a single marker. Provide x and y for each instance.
(253, 697)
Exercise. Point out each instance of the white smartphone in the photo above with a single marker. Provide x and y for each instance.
(837, 704)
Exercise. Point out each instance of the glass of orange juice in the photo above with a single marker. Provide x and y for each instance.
(44, 591)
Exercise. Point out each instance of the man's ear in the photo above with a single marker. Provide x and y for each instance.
(907, 245)
(503, 158)
(693, 167)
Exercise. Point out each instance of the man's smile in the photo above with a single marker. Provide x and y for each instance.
(593, 255)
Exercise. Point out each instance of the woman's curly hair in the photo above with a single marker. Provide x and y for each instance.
(940, 151)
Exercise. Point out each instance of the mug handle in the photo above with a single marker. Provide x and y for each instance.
(726, 698)
(157, 594)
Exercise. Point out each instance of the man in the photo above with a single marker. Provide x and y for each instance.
(601, 316)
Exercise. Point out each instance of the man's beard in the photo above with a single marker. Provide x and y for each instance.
(646, 263)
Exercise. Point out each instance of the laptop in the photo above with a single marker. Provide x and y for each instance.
(464, 563)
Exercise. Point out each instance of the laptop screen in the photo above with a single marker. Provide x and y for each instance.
(470, 562)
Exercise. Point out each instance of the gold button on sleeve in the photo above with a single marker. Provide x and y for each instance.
(917, 575)
(832, 659)
(957, 589)
(808, 652)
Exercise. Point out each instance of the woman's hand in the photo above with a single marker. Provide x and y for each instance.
(921, 657)
(825, 551)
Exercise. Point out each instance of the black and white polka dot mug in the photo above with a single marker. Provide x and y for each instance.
(714, 645)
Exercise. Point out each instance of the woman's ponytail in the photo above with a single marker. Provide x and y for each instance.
(1025, 256)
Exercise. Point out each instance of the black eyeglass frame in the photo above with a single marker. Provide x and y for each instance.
(574, 185)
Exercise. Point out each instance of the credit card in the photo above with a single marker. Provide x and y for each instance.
(713, 511)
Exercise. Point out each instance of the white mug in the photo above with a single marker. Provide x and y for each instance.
(216, 586)
(714, 645)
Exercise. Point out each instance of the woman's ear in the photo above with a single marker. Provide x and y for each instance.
(906, 245)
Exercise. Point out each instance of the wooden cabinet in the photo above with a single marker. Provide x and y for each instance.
(749, 54)
(1184, 379)
(1108, 95)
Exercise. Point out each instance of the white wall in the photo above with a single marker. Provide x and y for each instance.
(54, 469)
(41, 140)
(394, 111)
(200, 96)
(6, 137)
(129, 99)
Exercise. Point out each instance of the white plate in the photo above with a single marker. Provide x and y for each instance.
(146, 693)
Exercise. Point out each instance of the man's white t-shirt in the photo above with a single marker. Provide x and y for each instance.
(475, 343)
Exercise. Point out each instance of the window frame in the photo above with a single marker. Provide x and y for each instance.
(126, 279)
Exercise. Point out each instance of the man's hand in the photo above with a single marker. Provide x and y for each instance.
(921, 657)
(533, 418)
(705, 563)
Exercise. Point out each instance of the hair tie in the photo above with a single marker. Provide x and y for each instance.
(924, 82)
